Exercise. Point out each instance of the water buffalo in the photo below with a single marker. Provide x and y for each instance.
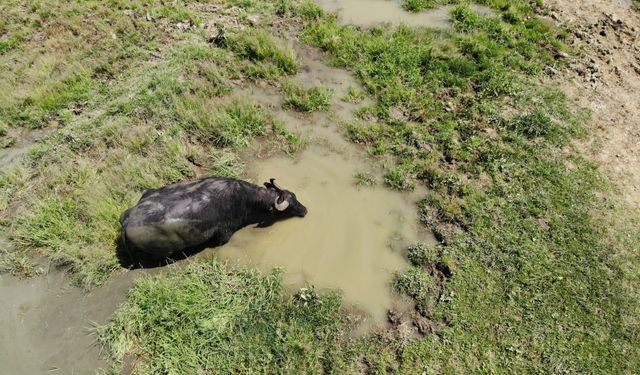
(205, 211)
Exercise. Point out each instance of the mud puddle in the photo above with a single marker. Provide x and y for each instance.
(624, 4)
(371, 12)
(353, 238)
(45, 323)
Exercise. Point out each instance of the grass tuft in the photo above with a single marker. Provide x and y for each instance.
(269, 59)
(305, 100)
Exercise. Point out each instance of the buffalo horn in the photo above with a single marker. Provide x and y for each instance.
(273, 183)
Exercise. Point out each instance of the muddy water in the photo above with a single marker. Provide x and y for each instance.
(353, 239)
(371, 12)
(45, 323)
(624, 4)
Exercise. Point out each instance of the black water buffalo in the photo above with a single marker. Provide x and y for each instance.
(205, 211)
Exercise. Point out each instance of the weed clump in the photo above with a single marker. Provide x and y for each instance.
(306, 100)
(354, 95)
(418, 5)
(270, 60)
(365, 179)
(231, 126)
(18, 264)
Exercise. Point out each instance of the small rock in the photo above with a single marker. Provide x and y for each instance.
(578, 69)
(449, 107)
(394, 317)
(220, 39)
(544, 224)
(422, 325)
(617, 71)
(397, 114)
(424, 146)
(148, 17)
(253, 20)
(183, 25)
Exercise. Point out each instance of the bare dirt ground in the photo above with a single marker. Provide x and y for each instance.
(606, 80)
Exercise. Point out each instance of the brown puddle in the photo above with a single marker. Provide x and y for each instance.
(353, 239)
(45, 323)
(372, 12)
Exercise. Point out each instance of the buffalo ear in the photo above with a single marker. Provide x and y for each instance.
(268, 185)
(281, 203)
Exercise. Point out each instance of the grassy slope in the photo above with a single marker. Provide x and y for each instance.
(541, 283)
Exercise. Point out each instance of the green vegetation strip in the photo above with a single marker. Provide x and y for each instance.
(210, 319)
(305, 100)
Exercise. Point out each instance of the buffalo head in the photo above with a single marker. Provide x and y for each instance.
(285, 202)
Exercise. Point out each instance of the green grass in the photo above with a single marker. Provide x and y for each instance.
(18, 264)
(266, 58)
(538, 286)
(418, 5)
(56, 59)
(4, 129)
(210, 319)
(301, 99)
(365, 179)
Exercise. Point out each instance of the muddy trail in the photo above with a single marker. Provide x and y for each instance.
(606, 80)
